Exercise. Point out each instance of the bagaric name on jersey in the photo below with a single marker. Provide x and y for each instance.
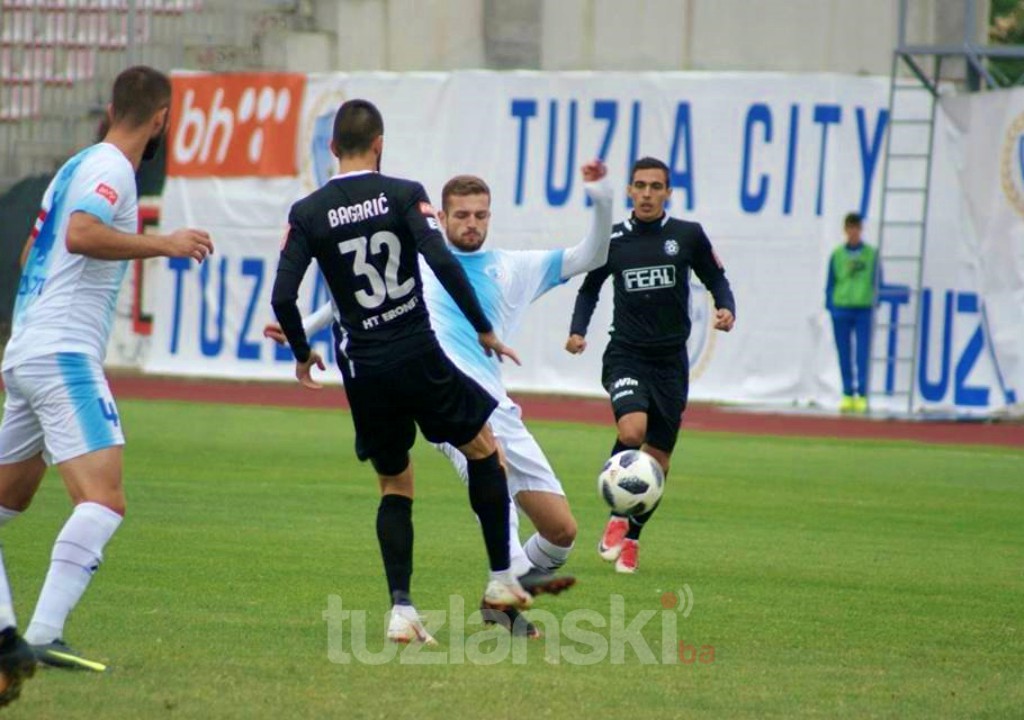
(389, 315)
(649, 278)
(360, 211)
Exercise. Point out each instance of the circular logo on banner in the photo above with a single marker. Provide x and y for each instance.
(1011, 166)
(701, 343)
(316, 162)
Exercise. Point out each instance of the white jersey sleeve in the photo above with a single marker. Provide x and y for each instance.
(531, 273)
(105, 188)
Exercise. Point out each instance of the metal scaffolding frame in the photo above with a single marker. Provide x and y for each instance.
(906, 177)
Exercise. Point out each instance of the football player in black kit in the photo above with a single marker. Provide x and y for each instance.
(365, 231)
(645, 366)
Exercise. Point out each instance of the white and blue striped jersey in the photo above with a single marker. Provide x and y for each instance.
(506, 282)
(66, 301)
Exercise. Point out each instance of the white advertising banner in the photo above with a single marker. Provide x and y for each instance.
(768, 163)
(985, 133)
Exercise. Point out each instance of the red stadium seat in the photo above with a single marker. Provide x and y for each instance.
(26, 65)
(20, 102)
(18, 28)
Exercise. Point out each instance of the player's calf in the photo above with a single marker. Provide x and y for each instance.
(76, 557)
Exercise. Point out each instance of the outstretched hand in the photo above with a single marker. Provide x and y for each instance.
(188, 242)
(303, 371)
(492, 345)
(274, 332)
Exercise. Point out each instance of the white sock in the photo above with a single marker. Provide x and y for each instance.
(77, 554)
(520, 564)
(7, 618)
(504, 576)
(544, 554)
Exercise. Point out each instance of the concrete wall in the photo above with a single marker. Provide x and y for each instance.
(403, 35)
(848, 36)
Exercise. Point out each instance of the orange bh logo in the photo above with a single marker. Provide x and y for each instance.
(234, 125)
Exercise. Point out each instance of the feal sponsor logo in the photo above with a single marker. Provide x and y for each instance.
(234, 125)
(649, 278)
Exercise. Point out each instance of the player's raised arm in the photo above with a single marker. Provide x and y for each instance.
(592, 251)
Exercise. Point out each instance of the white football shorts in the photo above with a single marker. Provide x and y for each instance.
(527, 467)
(60, 405)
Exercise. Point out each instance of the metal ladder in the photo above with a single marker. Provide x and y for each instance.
(906, 177)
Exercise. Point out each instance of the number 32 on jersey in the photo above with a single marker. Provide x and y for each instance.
(384, 288)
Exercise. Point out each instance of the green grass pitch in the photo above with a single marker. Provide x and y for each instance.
(831, 579)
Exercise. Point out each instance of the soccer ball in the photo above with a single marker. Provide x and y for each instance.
(631, 482)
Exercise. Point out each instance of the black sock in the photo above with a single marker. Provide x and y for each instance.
(618, 447)
(637, 522)
(488, 496)
(394, 533)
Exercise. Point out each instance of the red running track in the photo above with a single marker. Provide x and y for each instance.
(710, 418)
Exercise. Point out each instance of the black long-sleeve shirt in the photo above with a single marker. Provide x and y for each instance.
(650, 263)
(365, 230)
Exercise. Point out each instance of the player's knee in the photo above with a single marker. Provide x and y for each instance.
(563, 534)
(632, 434)
(18, 502)
(482, 446)
(390, 463)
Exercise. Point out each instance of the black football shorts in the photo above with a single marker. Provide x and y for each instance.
(658, 386)
(428, 391)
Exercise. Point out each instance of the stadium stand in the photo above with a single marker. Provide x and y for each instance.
(58, 57)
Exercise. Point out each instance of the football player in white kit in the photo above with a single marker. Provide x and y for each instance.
(58, 409)
(506, 281)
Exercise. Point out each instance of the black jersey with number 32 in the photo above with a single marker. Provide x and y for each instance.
(365, 231)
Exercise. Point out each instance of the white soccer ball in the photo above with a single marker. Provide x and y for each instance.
(631, 482)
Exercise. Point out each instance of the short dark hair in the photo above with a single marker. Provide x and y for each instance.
(853, 219)
(357, 124)
(649, 163)
(140, 92)
(462, 185)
